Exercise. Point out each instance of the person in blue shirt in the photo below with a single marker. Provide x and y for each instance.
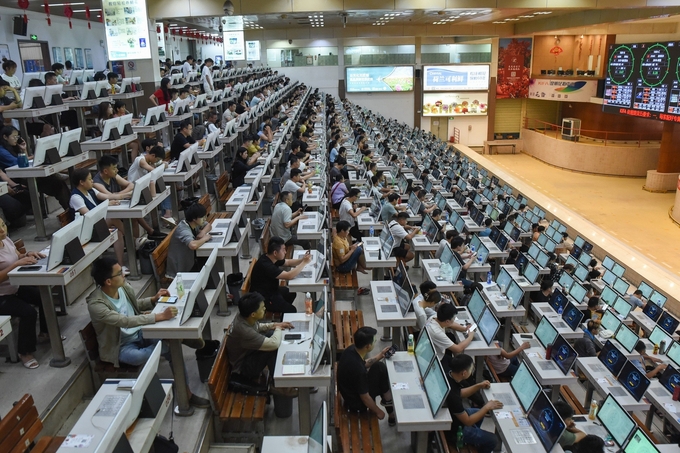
(487, 231)
(651, 366)
(334, 151)
(635, 299)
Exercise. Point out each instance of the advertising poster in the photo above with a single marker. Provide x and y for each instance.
(562, 90)
(368, 79)
(456, 78)
(234, 45)
(252, 50)
(455, 104)
(514, 61)
(127, 29)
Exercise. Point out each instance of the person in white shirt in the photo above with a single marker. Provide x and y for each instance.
(348, 213)
(187, 67)
(206, 77)
(85, 197)
(437, 326)
(425, 303)
(10, 69)
(211, 124)
(398, 228)
(229, 113)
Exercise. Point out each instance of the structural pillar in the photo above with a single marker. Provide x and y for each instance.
(664, 178)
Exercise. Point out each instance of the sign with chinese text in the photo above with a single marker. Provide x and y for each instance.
(127, 29)
(562, 90)
(367, 79)
(234, 45)
(252, 50)
(514, 60)
(456, 78)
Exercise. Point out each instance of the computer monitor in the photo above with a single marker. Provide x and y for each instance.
(584, 259)
(581, 272)
(404, 294)
(608, 296)
(476, 305)
(200, 100)
(563, 354)
(616, 420)
(141, 194)
(578, 292)
(89, 90)
(386, 247)
(640, 443)
(634, 380)
(621, 286)
(429, 229)
(424, 352)
(521, 262)
(28, 76)
(572, 316)
(545, 332)
(626, 337)
(319, 341)
(670, 378)
(125, 125)
(622, 307)
(652, 310)
(566, 281)
(612, 358)
(503, 280)
(482, 254)
(88, 74)
(317, 442)
(610, 321)
(147, 392)
(608, 262)
(53, 94)
(488, 326)
(447, 255)
(205, 273)
(558, 300)
(673, 353)
(646, 289)
(576, 251)
(502, 241)
(533, 250)
(515, 293)
(47, 150)
(658, 298)
(573, 261)
(233, 233)
(195, 305)
(657, 336)
(546, 421)
(668, 323)
(436, 386)
(65, 247)
(618, 270)
(525, 386)
(94, 227)
(157, 178)
(110, 130)
(69, 145)
(609, 277)
(185, 157)
(542, 259)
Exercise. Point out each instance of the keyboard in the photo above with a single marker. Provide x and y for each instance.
(561, 325)
(110, 405)
(308, 227)
(305, 274)
(546, 365)
(300, 326)
(617, 391)
(596, 430)
(598, 368)
(523, 436)
(412, 402)
(383, 289)
(508, 399)
(373, 254)
(388, 308)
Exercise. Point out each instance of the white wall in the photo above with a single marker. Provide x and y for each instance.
(391, 105)
(473, 129)
(325, 78)
(57, 35)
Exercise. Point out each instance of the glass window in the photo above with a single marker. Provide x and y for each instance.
(455, 53)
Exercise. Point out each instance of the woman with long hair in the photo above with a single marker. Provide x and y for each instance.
(162, 95)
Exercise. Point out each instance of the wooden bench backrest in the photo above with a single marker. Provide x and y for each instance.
(64, 218)
(218, 381)
(205, 202)
(222, 187)
(245, 288)
(266, 234)
(20, 427)
(160, 255)
(19, 244)
(89, 338)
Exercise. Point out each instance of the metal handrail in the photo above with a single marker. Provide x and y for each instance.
(549, 129)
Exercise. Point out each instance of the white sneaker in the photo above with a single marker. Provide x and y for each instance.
(126, 271)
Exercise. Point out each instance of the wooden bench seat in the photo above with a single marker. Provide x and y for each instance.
(345, 323)
(222, 190)
(346, 282)
(103, 370)
(159, 258)
(237, 416)
(20, 428)
(356, 432)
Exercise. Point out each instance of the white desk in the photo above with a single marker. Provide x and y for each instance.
(304, 382)
(59, 276)
(534, 357)
(143, 432)
(313, 199)
(365, 222)
(303, 285)
(24, 113)
(97, 145)
(604, 381)
(388, 311)
(421, 244)
(541, 309)
(662, 400)
(374, 259)
(240, 196)
(209, 157)
(419, 420)
(174, 333)
(151, 128)
(309, 228)
(289, 444)
(506, 426)
(126, 214)
(431, 267)
(79, 105)
(499, 306)
(31, 174)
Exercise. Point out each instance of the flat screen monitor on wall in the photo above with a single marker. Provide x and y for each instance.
(371, 79)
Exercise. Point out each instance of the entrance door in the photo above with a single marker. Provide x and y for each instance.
(440, 128)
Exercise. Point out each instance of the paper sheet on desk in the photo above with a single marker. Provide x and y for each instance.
(77, 441)
(533, 354)
(603, 381)
(399, 386)
(670, 407)
(502, 415)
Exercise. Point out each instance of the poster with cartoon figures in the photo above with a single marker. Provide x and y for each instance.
(455, 104)
(127, 29)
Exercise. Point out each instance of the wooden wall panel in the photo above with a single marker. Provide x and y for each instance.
(593, 118)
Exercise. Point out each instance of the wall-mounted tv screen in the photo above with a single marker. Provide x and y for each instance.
(455, 104)
(642, 80)
(370, 79)
(456, 78)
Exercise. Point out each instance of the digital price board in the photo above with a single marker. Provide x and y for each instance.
(644, 80)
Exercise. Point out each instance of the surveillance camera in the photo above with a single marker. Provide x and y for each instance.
(224, 21)
(290, 41)
(220, 29)
(228, 8)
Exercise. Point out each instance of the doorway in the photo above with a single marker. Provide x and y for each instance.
(35, 56)
(440, 128)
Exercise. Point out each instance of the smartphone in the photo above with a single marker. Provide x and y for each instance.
(304, 207)
(439, 278)
(167, 299)
(390, 352)
(292, 336)
(579, 418)
(360, 244)
(29, 268)
(473, 328)
(216, 233)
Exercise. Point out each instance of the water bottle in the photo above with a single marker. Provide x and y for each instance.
(371, 231)
(472, 248)
(560, 310)
(22, 160)
(179, 286)
(593, 410)
(308, 303)
(480, 260)
(459, 439)
(488, 278)
(662, 346)
(411, 344)
(446, 216)
(504, 287)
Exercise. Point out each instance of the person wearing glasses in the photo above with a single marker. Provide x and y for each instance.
(118, 316)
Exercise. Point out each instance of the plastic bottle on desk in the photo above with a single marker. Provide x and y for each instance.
(179, 286)
(560, 310)
(308, 303)
(593, 410)
(371, 231)
(22, 160)
(411, 344)
(488, 278)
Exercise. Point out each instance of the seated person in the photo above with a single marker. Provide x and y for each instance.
(182, 140)
(651, 366)
(20, 301)
(349, 213)
(586, 346)
(361, 380)
(190, 234)
(153, 156)
(462, 368)
(347, 257)
(85, 197)
(242, 164)
(117, 316)
(458, 248)
(109, 182)
(594, 270)
(398, 228)
(338, 192)
(295, 186)
(425, 304)
(487, 228)
(425, 207)
(589, 444)
(636, 299)
(448, 237)
(294, 162)
(112, 83)
(267, 272)
(594, 310)
(390, 208)
(120, 109)
(249, 348)
(572, 434)
(442, 342)
(544, 294)
(506, 363)
(284, 219)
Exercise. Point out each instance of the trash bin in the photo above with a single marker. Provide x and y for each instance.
(205, 358)
(144, 255)
(234, 283)
(211, 181)
(283, 406)
(258, 227)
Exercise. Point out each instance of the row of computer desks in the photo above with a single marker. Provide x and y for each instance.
(528, 419)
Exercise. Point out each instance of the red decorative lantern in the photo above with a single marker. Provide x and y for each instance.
(158, 28)
(165, 29)
(47, 11)
(23, 4)
(87, 15)
(68, 12)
